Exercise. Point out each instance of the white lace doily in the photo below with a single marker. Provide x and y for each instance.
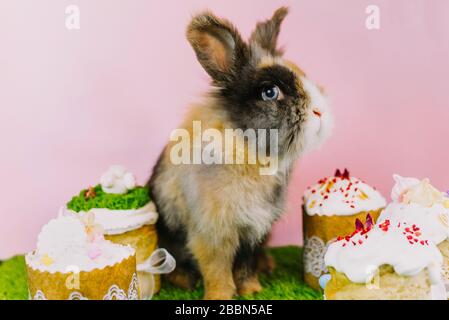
(314, 251)
(133, 290)
(114, 293)
(445, 273)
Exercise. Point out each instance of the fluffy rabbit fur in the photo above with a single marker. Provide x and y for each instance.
(215, 218)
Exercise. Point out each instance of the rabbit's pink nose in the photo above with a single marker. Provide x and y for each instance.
(316, 112)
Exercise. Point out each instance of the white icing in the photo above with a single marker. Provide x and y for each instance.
(360, 255)
(59, 234)
(401, 186)
(117, 180)
(432, 220)
(342, 196)
(420, 203)
(64, 246)
(120, 221)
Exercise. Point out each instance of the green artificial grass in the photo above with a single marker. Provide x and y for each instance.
(283, 284)
(133, 199)
(13, 279)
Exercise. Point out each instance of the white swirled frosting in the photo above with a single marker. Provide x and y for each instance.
(400, 245)
(420, 203)
(342, 195)
(66, 244)
(120, 221)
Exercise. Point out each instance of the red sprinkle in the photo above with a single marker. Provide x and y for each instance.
(384, 225)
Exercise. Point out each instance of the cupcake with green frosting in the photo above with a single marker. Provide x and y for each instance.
(127, 215)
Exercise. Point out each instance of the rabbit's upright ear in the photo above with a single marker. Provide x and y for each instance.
(266, 33)
(218, 46)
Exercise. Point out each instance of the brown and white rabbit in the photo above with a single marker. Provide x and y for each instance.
(214, 218)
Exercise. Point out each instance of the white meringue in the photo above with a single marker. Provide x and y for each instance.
(117, 180)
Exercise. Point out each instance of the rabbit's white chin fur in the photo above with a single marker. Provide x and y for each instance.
(319, 123)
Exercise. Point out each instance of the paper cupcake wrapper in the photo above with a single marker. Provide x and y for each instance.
(319, 233)
(144, 241)
(438, 292)
(117, 282)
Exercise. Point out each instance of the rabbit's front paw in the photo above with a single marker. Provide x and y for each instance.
(249, 286)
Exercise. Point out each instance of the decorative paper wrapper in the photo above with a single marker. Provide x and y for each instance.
(319, 232)
(444, 249)
(116, 282)
(144, 241)
(386, 285)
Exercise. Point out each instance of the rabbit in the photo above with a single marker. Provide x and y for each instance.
(215, 218)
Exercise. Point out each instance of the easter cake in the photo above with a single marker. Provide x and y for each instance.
(418, 202)
(388, 261)
(73, 261)
(127, 215)
(330, 209)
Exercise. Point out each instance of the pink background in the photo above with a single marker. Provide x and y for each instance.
(75, 101)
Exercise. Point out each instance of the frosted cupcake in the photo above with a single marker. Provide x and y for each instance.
(390, 261)
(330, 209)
(127, 215)
(73, 261)
(418, 202)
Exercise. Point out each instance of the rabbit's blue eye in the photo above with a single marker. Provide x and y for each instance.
(270, 93)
